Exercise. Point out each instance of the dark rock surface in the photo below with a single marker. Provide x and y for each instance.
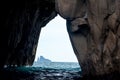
(93, 27)
(20, 28)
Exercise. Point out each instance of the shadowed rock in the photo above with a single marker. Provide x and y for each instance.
(20, 29)
(93, 27)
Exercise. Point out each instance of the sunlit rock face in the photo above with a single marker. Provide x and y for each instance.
(70, 9)
(94, 30)
(21, 22)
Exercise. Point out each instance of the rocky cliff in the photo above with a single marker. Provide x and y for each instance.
(21, 23)
(93, 27)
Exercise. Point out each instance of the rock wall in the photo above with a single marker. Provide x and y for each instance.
(93, 27)
(20, 28)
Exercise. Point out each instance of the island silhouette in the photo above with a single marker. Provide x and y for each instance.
(42, 59)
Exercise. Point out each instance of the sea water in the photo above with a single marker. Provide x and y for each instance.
(45, 71)
(57, 65)
(59, 70)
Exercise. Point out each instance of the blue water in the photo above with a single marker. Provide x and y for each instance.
(45, 71)
(57, 65)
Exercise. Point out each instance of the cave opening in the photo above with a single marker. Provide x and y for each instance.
(54, 44)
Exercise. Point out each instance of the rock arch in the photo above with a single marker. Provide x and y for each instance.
(93, 27)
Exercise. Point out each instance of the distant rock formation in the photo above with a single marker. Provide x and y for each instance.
(43, 59)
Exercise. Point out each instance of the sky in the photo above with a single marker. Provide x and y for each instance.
(54, 43)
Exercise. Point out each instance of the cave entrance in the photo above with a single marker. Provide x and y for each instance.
(54, 43)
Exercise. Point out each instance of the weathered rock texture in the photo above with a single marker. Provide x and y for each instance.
(21, 22)
(93, 27)
(94, 30)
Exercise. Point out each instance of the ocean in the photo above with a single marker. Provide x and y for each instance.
(44, 71)
(57, 65)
